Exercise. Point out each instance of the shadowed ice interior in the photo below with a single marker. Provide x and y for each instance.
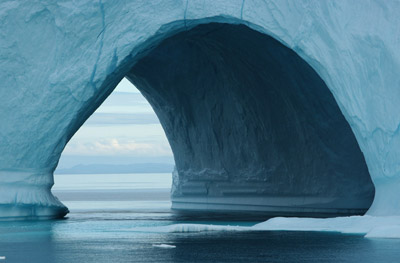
(252, 126)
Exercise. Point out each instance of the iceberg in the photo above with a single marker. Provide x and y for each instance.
(285, 107)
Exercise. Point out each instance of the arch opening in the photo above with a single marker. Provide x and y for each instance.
(252, 126)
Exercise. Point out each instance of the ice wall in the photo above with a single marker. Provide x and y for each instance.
(60, 60)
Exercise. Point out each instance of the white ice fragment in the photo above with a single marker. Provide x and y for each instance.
(164, 246)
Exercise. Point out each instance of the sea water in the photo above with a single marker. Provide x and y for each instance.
(107, 210)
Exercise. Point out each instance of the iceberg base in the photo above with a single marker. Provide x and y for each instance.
(31, 212)
(273, 206)
(26, 194)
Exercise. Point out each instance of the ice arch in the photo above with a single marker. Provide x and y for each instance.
(60, 61)
(251, 125)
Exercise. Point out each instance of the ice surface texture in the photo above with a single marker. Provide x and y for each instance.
(254, 118)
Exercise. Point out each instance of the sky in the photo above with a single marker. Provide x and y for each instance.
(123, 130)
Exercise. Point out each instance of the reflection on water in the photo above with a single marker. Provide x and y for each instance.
(98, 239)
(99, 231)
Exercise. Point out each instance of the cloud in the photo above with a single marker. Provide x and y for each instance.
(116, 146)
(100, 119)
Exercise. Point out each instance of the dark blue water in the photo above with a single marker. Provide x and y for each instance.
(103, 238)
(102, 230)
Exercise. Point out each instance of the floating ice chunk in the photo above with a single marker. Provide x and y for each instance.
(164, 246)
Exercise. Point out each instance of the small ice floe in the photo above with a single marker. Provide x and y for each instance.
(2, 258)
(164, 246)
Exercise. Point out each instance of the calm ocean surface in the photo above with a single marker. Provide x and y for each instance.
(106, 210)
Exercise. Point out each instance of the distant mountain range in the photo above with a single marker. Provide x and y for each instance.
(115, 169)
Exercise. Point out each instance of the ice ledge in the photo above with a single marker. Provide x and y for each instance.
(26, 194)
